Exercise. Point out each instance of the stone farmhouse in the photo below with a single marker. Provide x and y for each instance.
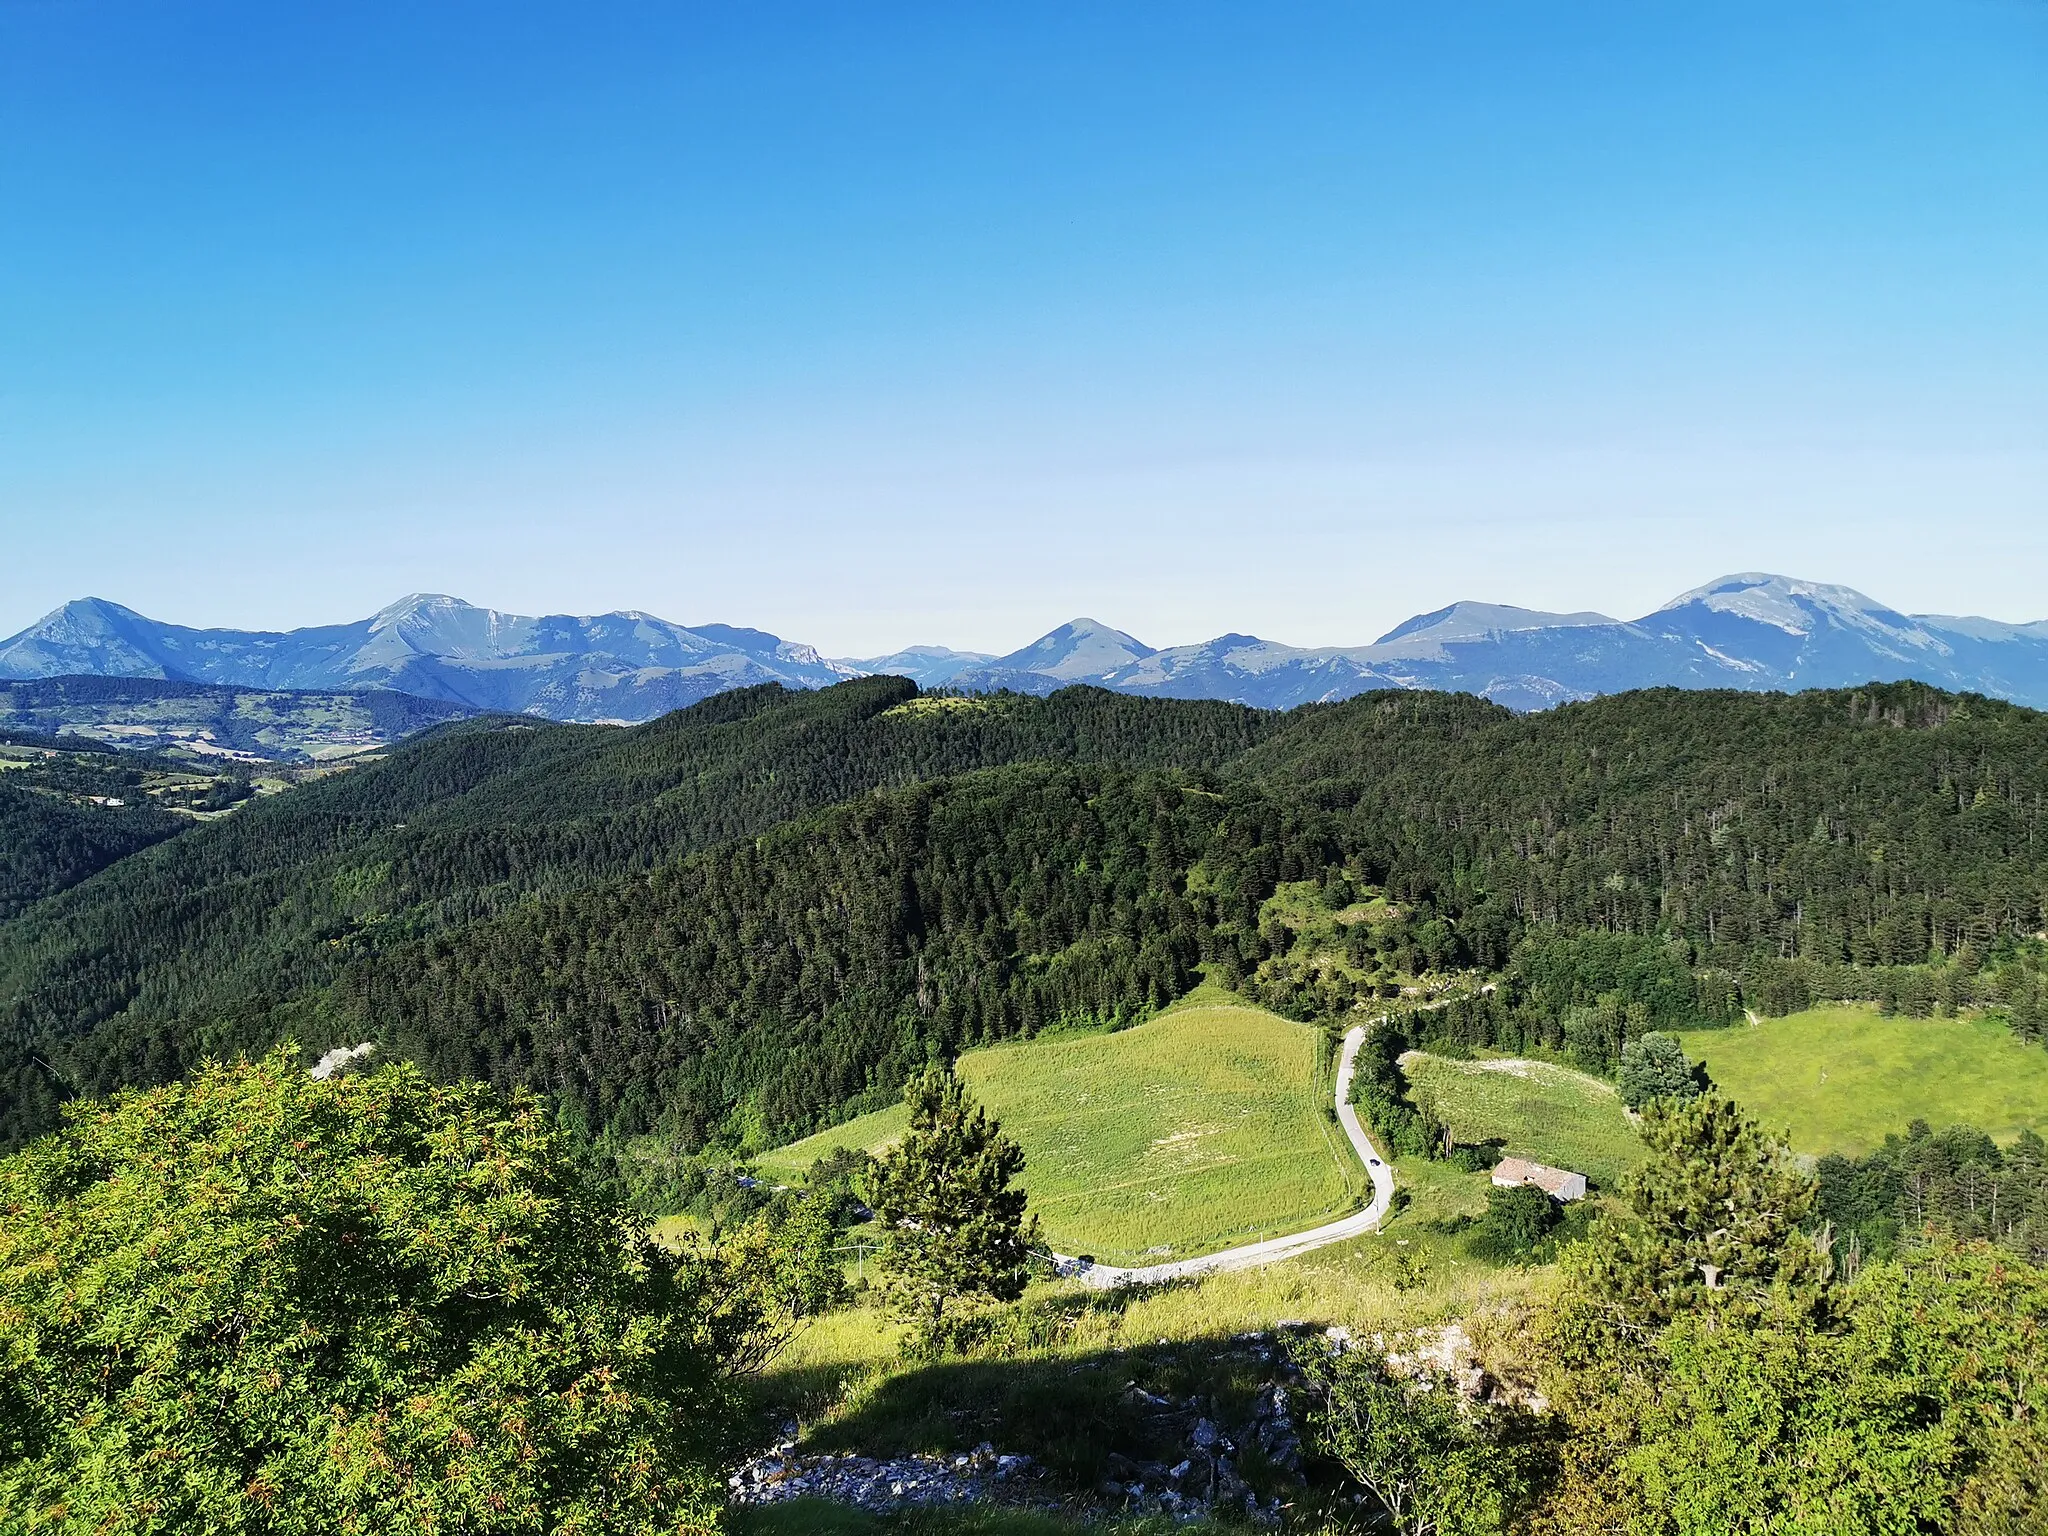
(1559, 1183)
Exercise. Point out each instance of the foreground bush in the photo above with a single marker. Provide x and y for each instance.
(257, 1303)
(1713, 1376)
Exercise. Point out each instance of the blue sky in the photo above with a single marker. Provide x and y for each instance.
(894, 323)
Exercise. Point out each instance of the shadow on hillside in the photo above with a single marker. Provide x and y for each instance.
(1087, 1414)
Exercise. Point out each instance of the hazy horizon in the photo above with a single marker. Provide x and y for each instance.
(920, 326)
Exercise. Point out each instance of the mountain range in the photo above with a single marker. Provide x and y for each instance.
(1749, 631)
(617, 666)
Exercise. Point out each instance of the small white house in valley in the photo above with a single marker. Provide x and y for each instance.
(1558, 1183)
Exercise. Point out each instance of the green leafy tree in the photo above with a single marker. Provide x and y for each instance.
(1432, 1469)
(1716, 1380)
(840, 1181)
(1920, 1409)
(1516, 1222)
(955, 1229)
(771, 1273)
(1654, 1066)
(256, 1303)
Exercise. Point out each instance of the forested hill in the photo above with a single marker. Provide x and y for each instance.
(229, 935)
(48, 843)
(1867, 825)
(739, 919)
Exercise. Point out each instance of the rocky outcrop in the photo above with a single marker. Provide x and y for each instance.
(1200, 1454)
(898, 1482)
(1206, 1476)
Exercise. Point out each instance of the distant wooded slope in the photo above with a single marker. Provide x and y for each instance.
(746, 916)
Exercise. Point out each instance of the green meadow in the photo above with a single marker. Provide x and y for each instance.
(1053, 1384)
(1200, 1129)
(1548, 1113)
(1840, 1078)
(874, 1133)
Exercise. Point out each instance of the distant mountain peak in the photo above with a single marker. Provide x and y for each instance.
(929, 666)
(1789, 603)
(86, 613)
(413, 604)
(1080, 648)
(1471, 621)
(88, 635)
(1085, 629)
(935, 653)
(756, 640)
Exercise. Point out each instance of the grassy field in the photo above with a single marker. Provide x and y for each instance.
(1839, 1078)
(874, 1133)
(1053, 1383)
(1203, 1128)
(1214, 1112)
(1548, 1113)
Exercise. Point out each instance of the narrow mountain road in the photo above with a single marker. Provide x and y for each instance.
(1273, 1249)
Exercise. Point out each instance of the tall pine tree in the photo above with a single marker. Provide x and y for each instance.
(956, 1230)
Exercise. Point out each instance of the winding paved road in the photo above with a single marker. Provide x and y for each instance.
(1273, 1249)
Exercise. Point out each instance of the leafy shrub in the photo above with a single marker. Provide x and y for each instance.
(1430, 1469)
(1516, 1223)
(253, 1302)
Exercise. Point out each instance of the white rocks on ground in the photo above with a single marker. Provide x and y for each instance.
(897, 1482)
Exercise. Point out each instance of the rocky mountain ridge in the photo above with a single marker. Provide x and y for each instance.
(626, 666)
(1752, 631)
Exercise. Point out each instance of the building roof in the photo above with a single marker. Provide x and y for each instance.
(1560, 1182)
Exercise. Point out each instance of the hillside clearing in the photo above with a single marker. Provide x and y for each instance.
(1198, 1130)
(874, 1133)
(1841, 1078)
(1535, 1109)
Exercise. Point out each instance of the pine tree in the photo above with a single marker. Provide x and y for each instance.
(2027, 1020)
(1719, 1210)
(956, 1230)
(1654, 1067)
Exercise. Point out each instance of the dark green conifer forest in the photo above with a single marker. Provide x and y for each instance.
(750, 918)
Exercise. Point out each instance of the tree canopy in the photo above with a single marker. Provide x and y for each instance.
(253, 1302)
(1713, 1374)
(1654, 1066)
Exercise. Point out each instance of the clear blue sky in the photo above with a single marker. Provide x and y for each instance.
(873, 324)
